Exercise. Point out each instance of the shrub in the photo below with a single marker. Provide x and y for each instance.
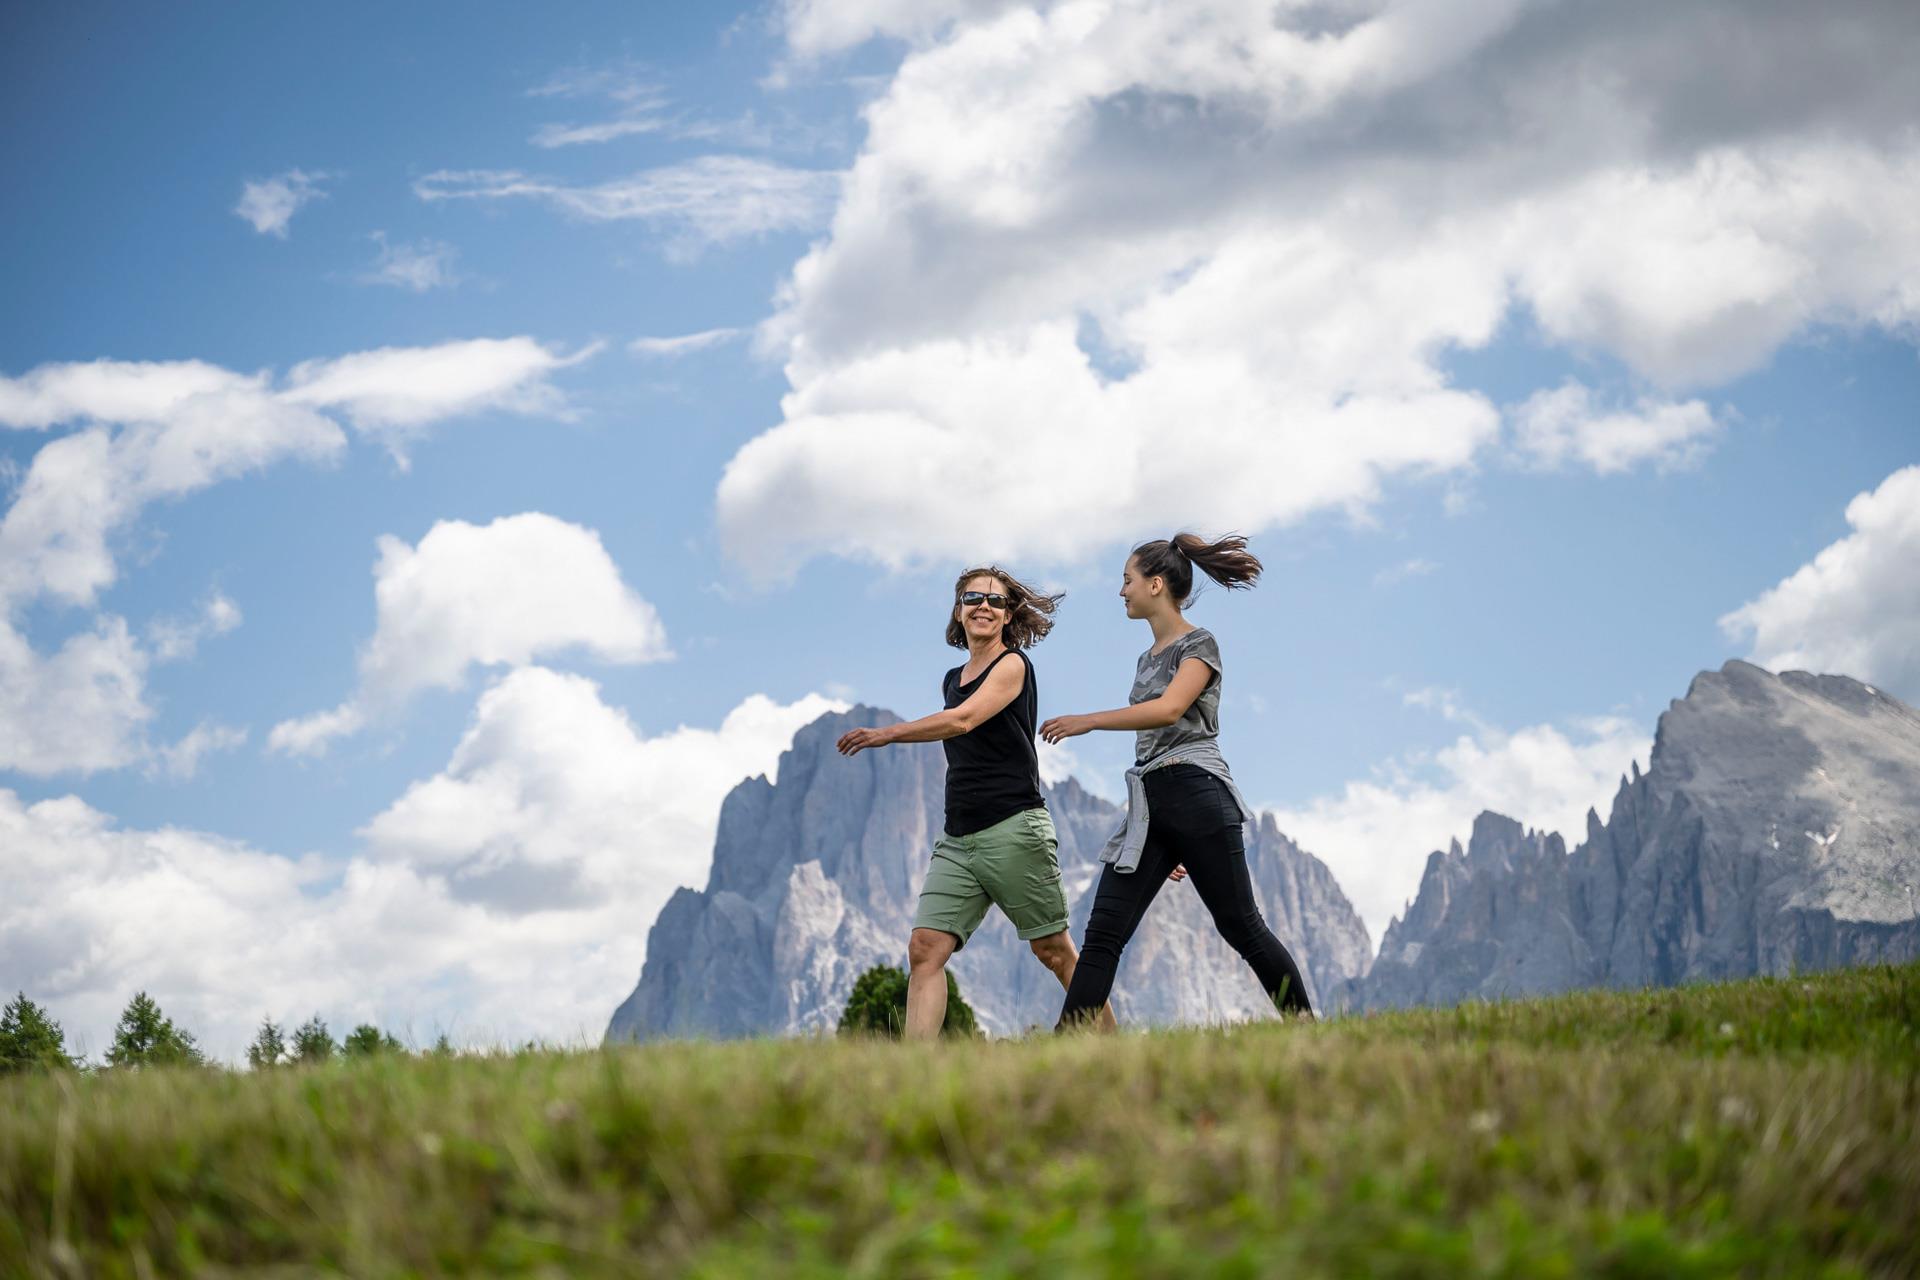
(877, 1005)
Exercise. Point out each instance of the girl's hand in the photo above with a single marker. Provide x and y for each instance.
(1065, 727)
(1178, 873)
(854, 741)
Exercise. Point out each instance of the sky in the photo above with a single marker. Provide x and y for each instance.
(444, 449)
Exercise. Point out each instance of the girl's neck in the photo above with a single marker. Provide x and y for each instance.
(980, 651)
(1168, 627)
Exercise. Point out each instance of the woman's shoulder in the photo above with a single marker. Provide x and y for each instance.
(1026, 662)
(959, 672)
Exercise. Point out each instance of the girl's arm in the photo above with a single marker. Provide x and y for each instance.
(1188, 683)
(1001, 686)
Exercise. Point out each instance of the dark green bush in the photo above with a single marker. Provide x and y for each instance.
(877, 1005)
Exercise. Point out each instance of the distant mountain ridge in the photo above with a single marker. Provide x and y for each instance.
(815, 878)
(1776, 829)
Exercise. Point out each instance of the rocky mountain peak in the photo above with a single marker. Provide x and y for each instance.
(1777, 827)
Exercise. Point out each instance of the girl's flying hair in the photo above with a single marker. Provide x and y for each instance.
(1227, 562)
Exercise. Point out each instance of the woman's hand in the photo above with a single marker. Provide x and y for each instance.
(1066, 727)
(1178, 873)
(854, 741)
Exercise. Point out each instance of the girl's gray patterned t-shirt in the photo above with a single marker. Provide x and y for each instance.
(1152, 675)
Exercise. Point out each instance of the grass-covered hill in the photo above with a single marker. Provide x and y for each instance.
(1757, 1128)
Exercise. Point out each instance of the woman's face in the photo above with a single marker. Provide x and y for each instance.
(982, 621)
(1137, 590)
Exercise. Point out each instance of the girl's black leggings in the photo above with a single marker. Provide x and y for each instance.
(1192, 820)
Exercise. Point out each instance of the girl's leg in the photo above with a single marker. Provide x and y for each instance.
(1118, 906)
(1219, 870)
(1202, 829)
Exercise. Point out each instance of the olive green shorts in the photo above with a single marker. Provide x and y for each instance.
(1013, 865)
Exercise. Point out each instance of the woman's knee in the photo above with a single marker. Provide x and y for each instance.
(1054, 949)
(929, 948)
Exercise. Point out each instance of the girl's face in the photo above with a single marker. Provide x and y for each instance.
(1139, 592)
(982, 621)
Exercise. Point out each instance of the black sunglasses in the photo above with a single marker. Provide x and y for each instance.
(968, 599)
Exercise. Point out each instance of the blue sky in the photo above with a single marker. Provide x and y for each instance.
(1518, 409)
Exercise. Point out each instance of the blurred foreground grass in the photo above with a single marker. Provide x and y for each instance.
(1758, 1128)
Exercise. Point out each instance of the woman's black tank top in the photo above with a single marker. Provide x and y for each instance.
(994, 771)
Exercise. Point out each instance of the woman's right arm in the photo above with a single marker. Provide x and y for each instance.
(1001, 686)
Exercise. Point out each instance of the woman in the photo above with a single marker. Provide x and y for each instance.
(1184, 813)
(998, 847)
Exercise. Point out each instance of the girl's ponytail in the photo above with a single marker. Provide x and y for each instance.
(1227, 562)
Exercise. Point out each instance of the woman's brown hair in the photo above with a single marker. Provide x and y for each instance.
(1227, 562)
(1029, 613)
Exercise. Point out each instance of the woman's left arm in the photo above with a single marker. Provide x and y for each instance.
(1188, 683)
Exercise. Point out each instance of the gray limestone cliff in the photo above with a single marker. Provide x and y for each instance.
(815, 878)
(1776, 829)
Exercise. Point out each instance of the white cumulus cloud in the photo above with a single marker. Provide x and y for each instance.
(147, 432)
(130, 434)
(1565, 425)
(508, 897)
(818, 27)
(1854, 609)
(80, 708)
(551, 799)
(1077, 232)
(523, 587)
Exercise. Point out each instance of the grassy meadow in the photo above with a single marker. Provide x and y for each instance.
(1760, 1128)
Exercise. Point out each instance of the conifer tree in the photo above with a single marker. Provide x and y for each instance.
(30, 1040)
(312, 1042)
(269, 1047)
(145, 1037)
(366, 1040)
(877, 1005)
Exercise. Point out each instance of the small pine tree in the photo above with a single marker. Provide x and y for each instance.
(442, 1047)
(30, 1040)
(877, 1005)
(312, 1042)
(366, 1040)
(269, 1047)
(145, 1037)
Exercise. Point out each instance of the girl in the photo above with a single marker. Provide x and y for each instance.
(1184, 813)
